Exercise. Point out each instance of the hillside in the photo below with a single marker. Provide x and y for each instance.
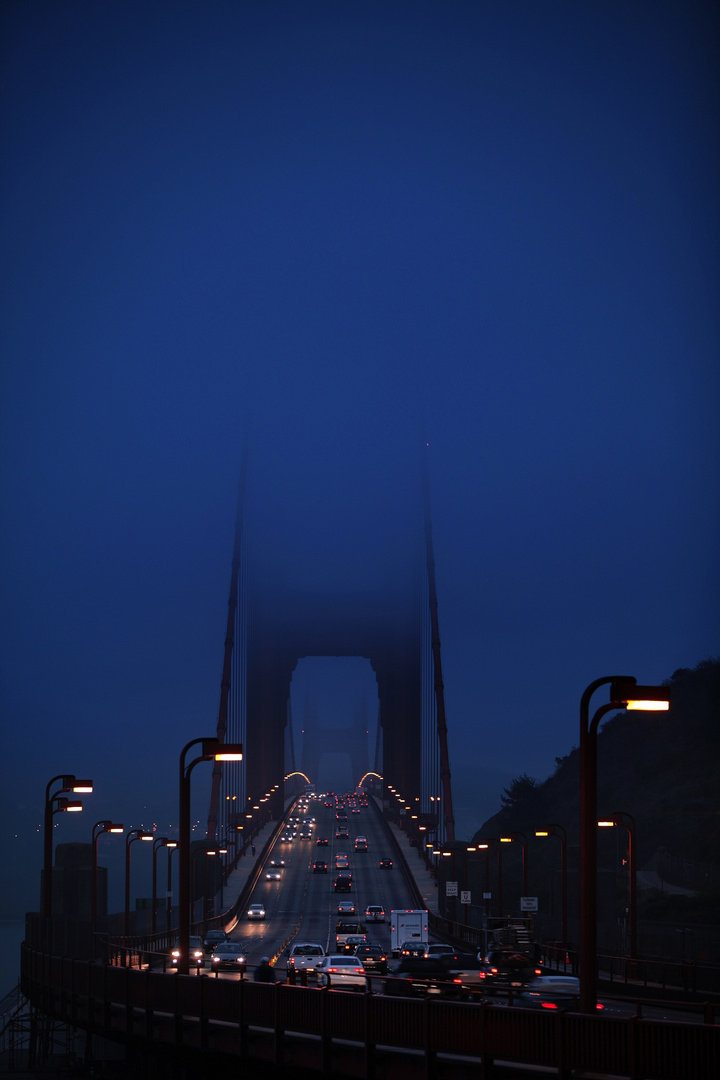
(660, 768)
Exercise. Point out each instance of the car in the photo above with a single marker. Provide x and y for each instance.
(353, 940)
(320, 866)
(286, 838)
(341, 861)
(509, 970)
(229, 954)
(361, 843)
(256, 911)
(305, 956)
(277, 862)
(212, 939)
(322, 841)
(414, 948)
(342, 834)
(552, 992)
(386, 864)
(422, 976)
(346, 907)
(340, 971)
(273, 875)
(355, 810)
(374, 913)
(439, 948)
(197, 951)
(343, 882)
(372, 958)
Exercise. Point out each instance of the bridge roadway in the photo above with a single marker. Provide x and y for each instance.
(302, 905)
(206, 1028)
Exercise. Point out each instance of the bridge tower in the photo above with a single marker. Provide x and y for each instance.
(271, 626)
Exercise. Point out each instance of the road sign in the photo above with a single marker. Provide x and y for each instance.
(528, 903)
(451, 888)
(465, 897)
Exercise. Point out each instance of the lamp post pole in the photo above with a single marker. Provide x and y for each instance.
(211, 749)
(158, 842)
(132, 836)
(67, 783)
(99, 828)
(560, 832)
(520, 838)
(617, 820)
(485, 845)
(172, 848)
(624, 694)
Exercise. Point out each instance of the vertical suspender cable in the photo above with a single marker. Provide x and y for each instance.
(448, 816)
(227, 660)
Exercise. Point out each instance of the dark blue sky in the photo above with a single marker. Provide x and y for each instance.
(327, 227)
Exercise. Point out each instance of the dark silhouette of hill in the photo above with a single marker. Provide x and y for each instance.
(660, 768)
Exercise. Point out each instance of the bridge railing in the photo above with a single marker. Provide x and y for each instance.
(282, 1023)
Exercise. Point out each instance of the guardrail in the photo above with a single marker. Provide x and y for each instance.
(349, 1034)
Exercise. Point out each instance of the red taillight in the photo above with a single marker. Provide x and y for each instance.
(599, 1006)
(493, 971)
(549, 1005)
(332, 971)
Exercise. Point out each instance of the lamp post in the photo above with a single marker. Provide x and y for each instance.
(172, 848)
(560, 832)
(99, 828)
(132, 836)
(617, 820)
(624, 694)
(158, 842)
(67, 783)
(486, 845)
(519, 838)
(211, 749)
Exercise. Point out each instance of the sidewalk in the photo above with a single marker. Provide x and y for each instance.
(424, 878)
(246, 866)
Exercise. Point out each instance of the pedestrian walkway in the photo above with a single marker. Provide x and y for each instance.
(247, 864)
(423, 876)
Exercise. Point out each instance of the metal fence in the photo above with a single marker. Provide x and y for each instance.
(351, 1034)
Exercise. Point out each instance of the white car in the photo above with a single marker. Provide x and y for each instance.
(340, 972)
(305, 956)
(273, 875)
(256, 911)
(374, 913)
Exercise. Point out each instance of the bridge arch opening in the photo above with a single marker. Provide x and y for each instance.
(332, 733)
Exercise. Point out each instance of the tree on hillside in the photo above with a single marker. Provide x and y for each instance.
(521, 790)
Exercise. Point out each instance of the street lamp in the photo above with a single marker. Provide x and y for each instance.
(624, 694)
(172, 848)
(99, 828)
(559, 831)
(486, 845)
(132, 836)
(158, 842)
(67, 783)
(211, 749)
(617, 820)
(520, 838)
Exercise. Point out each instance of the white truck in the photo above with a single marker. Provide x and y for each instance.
(407, 925)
